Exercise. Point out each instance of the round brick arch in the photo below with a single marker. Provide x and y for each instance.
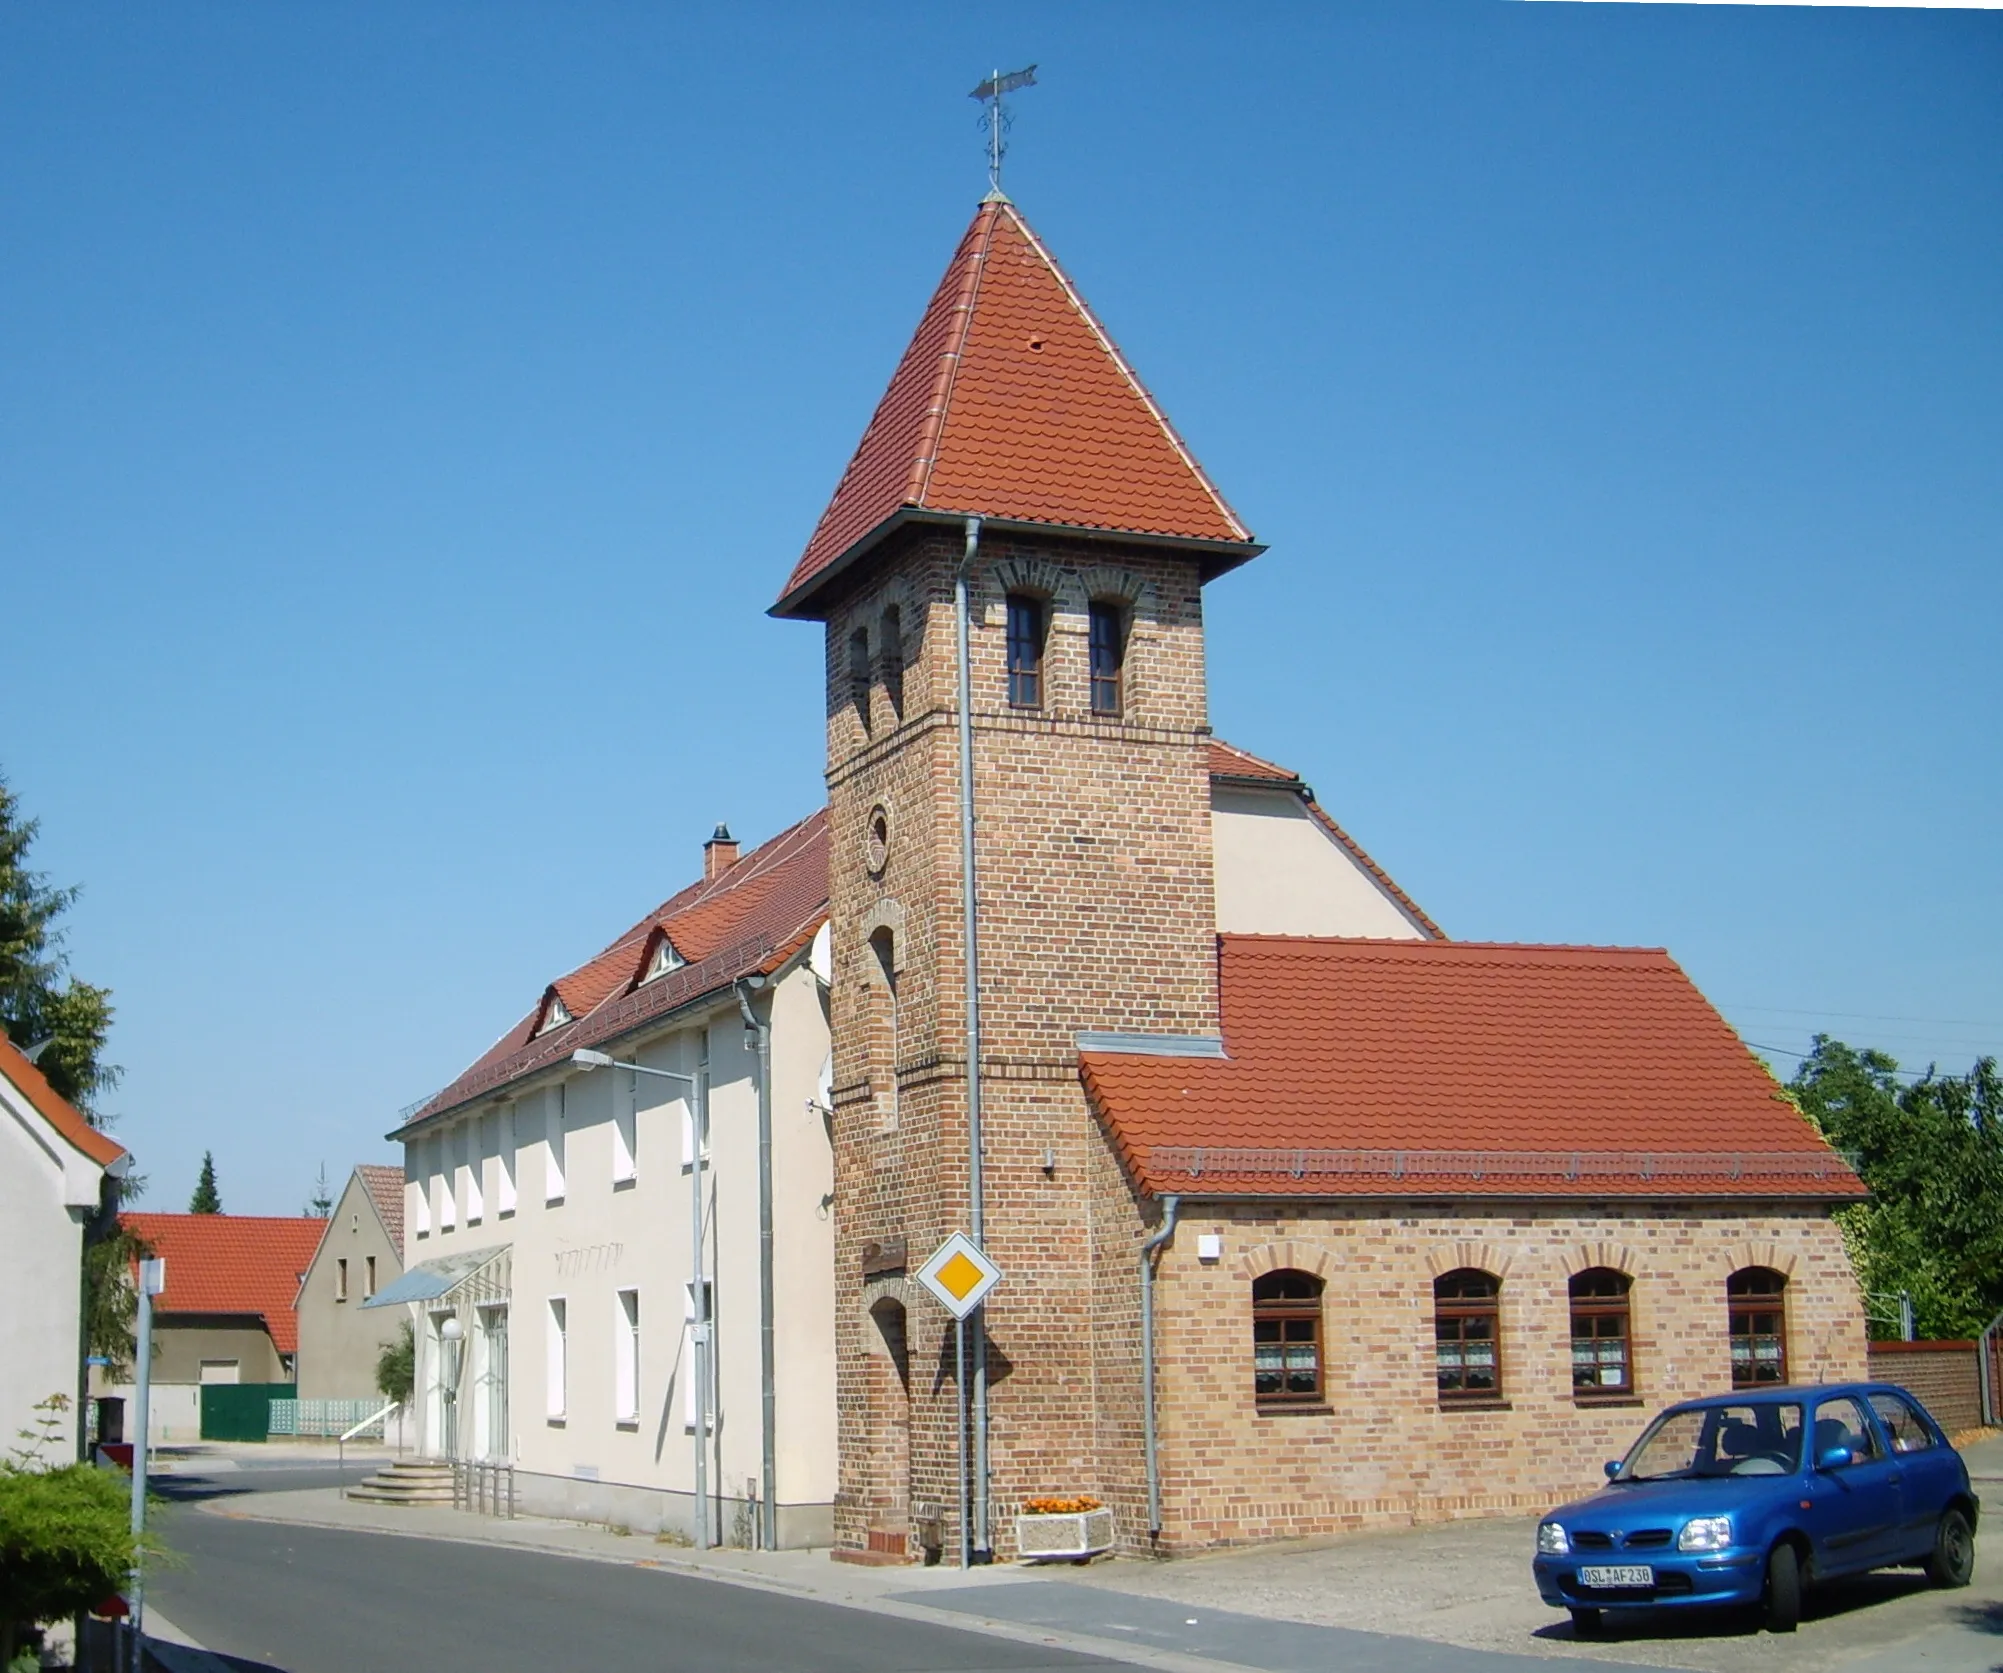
(1755, 1252)
(1584, 1257)
(1290, 1256)
(1443, 1258)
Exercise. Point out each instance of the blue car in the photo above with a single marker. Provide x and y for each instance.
(1748, 1498)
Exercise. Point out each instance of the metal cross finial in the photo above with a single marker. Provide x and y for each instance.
(995, 118)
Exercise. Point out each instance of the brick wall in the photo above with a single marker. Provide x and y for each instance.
(1385, 1452)
(1097, 912)
(1947, 1377)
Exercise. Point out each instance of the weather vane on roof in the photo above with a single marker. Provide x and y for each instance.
(995, 117)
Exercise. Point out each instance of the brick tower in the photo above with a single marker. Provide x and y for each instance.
(1015, 442)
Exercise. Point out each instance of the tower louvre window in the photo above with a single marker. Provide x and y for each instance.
(858, 673)
(1107, 622)
(1026, 624)
(893, 659)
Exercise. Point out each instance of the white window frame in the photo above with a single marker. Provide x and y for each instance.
(625, 1126)
(552, 1133)
(340, 1278)
(626, 1356)
(448, 1193)
(474, 1167)
(556, 1356)
(504, 1180)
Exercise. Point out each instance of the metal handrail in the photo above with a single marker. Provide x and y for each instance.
(341, 1445)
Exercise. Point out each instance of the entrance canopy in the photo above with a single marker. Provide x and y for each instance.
(446, 1277)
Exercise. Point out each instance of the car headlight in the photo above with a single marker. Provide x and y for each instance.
(1552, 1540)
(1705, 1533)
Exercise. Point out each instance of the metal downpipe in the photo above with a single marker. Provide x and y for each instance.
(1171, 1205)
(977, 1324)
(768, 1381)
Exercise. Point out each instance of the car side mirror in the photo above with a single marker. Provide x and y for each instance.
(1612, 1468)
(1836, 1458)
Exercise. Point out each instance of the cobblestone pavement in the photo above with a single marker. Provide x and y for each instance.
(1468, 1583)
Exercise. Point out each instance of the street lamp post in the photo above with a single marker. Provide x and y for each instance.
(450, 1334)
(152, 1281)
(699, 1333)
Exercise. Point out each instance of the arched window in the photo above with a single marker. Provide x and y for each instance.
(1602, 1356)
(1756, 1301)
(858, 673)
(1286, 1338)
(1467, 1331)
(891, 629)
(883, 1044)
(1027, 621)
(1107, 635)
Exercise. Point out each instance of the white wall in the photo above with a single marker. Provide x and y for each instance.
(1280, 872)
(41, 1248)
(608, 1233)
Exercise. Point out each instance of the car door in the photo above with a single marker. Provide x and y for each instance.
(1861, 1516)
(1929, 1471)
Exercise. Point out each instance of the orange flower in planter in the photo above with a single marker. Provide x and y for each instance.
(1073, 1506)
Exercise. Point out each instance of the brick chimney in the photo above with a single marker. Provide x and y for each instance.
(719, 854)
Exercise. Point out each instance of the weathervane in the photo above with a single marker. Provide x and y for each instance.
(995, 118)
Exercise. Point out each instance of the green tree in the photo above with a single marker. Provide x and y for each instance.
(66, 1539)
(396, 1365)
(1932, 1154)
(41, 1003)
(207, 1199)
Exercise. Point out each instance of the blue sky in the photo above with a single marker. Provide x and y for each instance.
(407, 412)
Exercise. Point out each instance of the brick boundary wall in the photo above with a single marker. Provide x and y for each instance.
(1946, 1376)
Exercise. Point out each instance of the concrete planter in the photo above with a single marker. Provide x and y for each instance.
(1063, 1537)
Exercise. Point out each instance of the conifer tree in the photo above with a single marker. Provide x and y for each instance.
(207, 1199)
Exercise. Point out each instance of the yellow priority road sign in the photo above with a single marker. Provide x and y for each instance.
(959, 1274)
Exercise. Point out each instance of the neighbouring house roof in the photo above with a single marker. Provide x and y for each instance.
(232, 1263)
(1444, 1068)
(1013, 403)
(1232, 765)
(385, 1188)
(749, 919)
(60, 1114)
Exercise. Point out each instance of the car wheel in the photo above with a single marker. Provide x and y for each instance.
(1588, 1623)
(1953, 1559)
(1783, 1597)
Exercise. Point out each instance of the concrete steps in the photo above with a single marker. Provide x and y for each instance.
(416, 1481)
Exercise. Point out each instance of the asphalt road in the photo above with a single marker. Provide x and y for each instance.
(322, 1600)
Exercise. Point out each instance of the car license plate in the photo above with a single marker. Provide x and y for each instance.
(1625, 1577)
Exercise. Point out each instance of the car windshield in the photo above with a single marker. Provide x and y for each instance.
(1703, 1441)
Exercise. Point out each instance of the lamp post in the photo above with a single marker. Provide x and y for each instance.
(699, 1332)
(450, 1334)
(152, 1282)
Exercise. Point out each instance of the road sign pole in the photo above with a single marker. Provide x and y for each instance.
(960, 1394)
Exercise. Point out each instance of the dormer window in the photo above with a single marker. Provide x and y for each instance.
(664, 960)
(555, 1014)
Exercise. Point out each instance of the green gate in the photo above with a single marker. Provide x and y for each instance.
(240, 1411)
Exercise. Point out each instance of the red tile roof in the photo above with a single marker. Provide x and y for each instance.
(385, 1188)
(232, 1263)
(1227, 761)
(1012, 402)
(1444, 1068)
(60, 1114)
(748, 919)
